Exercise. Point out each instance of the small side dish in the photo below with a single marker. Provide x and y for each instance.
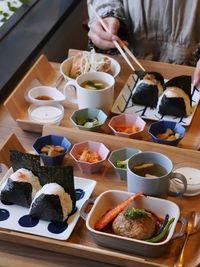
(90, 119)
(43, 95)
(52, 149)
(166, 132)
(127, 125)
(89, 155)
(119, 158)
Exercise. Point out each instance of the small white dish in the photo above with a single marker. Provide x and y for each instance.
(46, 114)
(44, 95)
(15, 214)
(66, 65)
(192, 175)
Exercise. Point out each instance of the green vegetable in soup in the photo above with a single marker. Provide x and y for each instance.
(94, 84)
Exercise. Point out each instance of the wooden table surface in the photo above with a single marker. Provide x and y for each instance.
(12, 254)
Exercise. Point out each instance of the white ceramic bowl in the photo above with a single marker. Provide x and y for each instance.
(66, 65)
(44, 95)
(46, 114)
(109, 199)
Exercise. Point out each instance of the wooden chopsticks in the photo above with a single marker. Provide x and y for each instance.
(119, 44)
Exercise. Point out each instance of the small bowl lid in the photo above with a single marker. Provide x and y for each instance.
(46, 114)
(191, 171)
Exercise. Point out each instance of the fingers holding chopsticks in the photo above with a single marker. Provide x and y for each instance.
(101, 38)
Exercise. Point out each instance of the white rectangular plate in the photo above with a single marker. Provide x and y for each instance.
(123, 104)
(84, 188)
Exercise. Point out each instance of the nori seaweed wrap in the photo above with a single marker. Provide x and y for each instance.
(62, 175)
(51, 203)
(148, 89)
(20, 188)
(176, 99)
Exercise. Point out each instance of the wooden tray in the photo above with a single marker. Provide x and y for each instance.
(46, 73)
(80, 244)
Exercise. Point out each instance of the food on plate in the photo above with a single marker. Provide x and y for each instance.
(89, 61)
(52, 150)
(89, 156)
(169, 135)
(51, 203)
(134, 223)
(130, 129)
(122, 163)
(141, 224)
(149, 170)
(94, 85)
(62, 175)
(112, 214)
(148, 89)
(87, 122)
(20, 188)
(176, 99)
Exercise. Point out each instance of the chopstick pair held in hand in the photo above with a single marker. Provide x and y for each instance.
(119, 44)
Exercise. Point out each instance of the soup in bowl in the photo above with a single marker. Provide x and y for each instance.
(91, 90)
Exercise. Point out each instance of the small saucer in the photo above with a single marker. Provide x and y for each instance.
(43, 95)
(46, 114)
(192, 175)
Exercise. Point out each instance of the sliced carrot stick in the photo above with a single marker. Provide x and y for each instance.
(111, 214)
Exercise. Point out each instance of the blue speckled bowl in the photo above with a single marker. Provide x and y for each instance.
(161, 127)
(51, 140)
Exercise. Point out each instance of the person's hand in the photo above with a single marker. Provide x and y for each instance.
(101, 38)
(196, 77)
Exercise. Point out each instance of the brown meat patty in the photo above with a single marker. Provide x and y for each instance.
(139, 228)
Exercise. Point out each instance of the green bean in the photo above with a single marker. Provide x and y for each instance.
(163, 224)
(160, 236)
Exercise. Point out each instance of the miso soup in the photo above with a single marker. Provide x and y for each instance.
(149, 170)
(94, 84)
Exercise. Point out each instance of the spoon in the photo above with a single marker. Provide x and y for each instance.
(193, 226)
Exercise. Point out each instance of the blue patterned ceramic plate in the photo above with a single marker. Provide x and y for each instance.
(123, 104)
(17, 218)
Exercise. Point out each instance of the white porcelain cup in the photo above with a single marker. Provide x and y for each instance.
(154, 186)
(88, 98)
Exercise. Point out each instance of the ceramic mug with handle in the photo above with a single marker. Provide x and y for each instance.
(76, 92)
(151, 172)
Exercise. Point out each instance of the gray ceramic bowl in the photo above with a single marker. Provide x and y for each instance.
(82, 115)
(119, 155)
